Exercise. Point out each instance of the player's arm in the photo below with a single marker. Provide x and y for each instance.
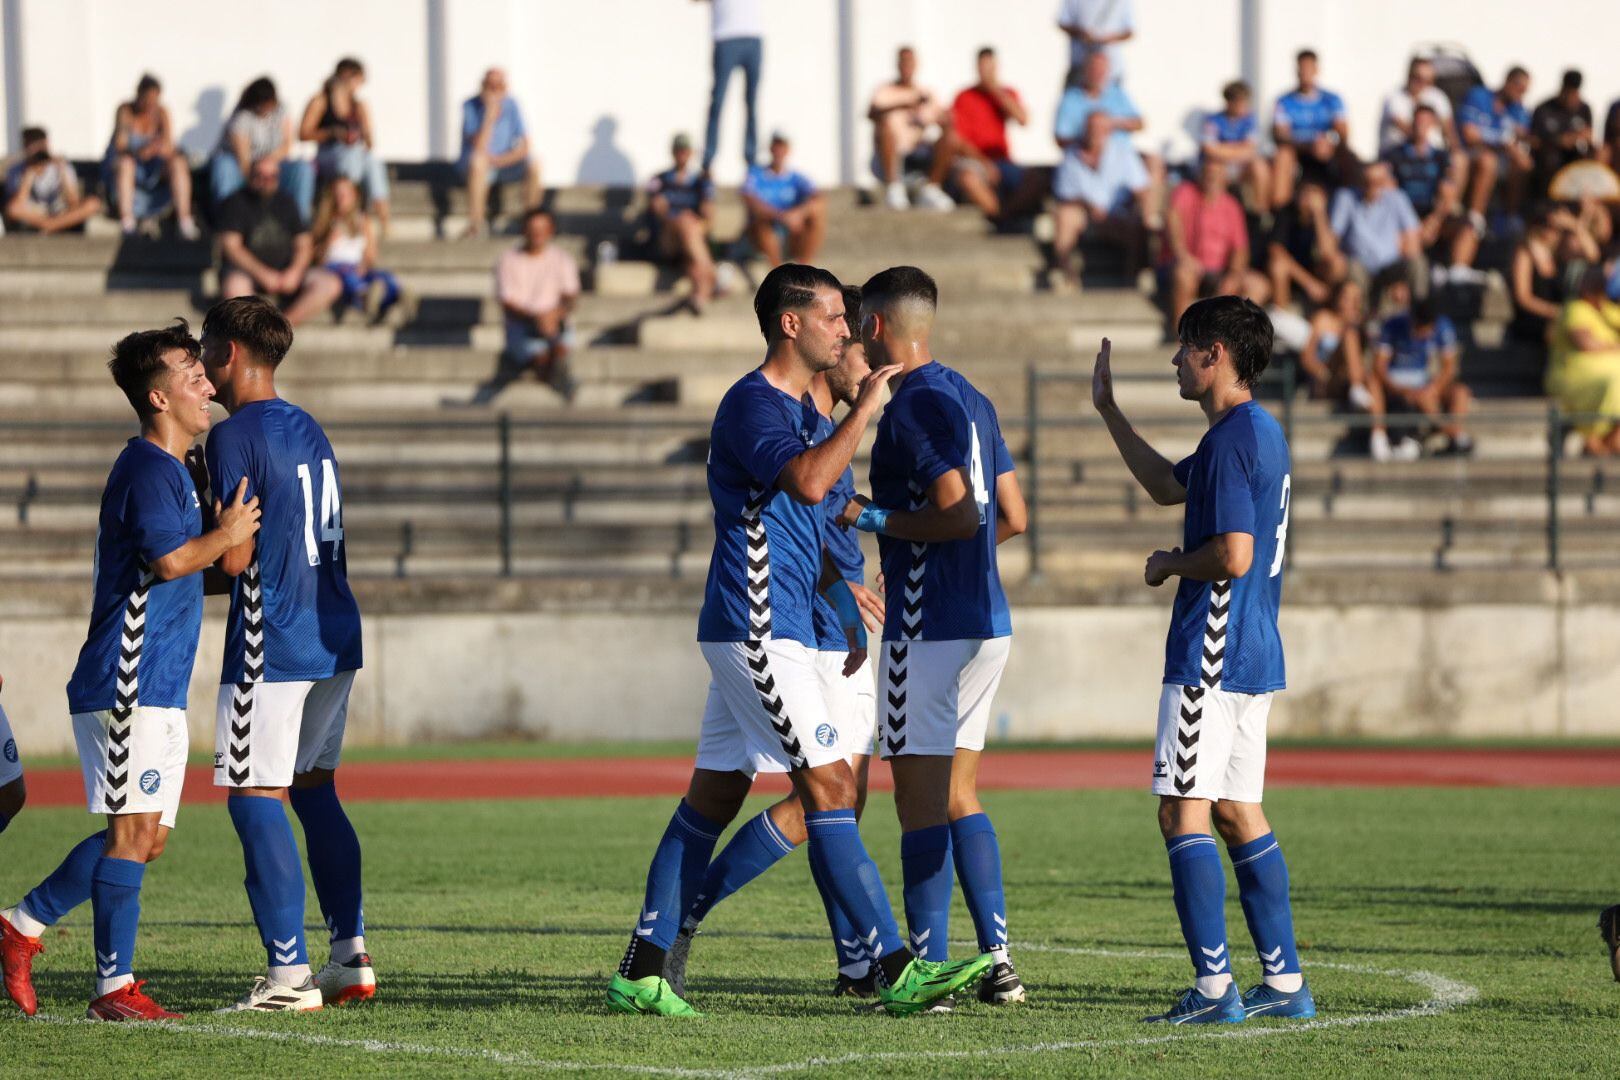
(808, 477)
(1012, 515)
(837, 591)
(1152, 470)
(951, 513)
(1224, 557)
(236, 525)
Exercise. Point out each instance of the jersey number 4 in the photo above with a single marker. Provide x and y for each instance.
(981, 494)
(331, 511)
(1282, 526)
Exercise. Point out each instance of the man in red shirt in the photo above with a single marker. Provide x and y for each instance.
(985, 173)
(1208, 249)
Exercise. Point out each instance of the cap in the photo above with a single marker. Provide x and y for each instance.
(780, 136)
(682, 141)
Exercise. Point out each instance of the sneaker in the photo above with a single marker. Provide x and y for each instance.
(1001, 986)
(923, 982)
(863, 987)
(1263, 1000)
(17, 952)
(933, 197)
(1378, 445)
(1461, 446)
(128, 1003)
(1406, 450)
(675, 961)
(188, 230)
(352, 980)
(651, 996)
(895, 197)
(376, 293)
(1609, 927)
(266, 996)
(128, 226)
(1194, 1008)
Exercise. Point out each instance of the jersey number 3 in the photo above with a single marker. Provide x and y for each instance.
(331, 511)
(1282, 526)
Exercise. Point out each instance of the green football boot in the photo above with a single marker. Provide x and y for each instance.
(651, 995)
(924, 982)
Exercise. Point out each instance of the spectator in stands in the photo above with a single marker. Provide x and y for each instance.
(346, 246)
(266, 248)
(494, 149)
(985, 172)
(1423, 171)
(738, 30)
(1584, 374)
(1377, 227)
(681, 200)
(1096, 26)
(1208, 248)
(1302, 249)
(1495, 129)
(42, 190)
(784, 208)
(903, 114)
(340, 124)
(1554, 239)
(1417, 369)
(1400, 110)
(142, 168)
(1232, 137)
(1560, 132)
(1610, 153)
(1335, 367)
(1312, 134)
(1100, 185)
(1097, 95)
(259, 129)
(538, 285)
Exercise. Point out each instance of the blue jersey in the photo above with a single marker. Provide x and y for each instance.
(779, 191)
(1414, 359)
(1223, 127)
(293, 618)
(1499, 122)
(143, 632)
(1224, 633)
(949, 591)
(1305, 116)
(767, 546)
(843, 546)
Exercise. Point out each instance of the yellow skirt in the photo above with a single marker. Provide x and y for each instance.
(1587, 383)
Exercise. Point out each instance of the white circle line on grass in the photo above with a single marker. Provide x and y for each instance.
(1444, 995)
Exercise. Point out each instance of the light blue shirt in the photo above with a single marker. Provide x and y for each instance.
(503, 136)
(1118, 175)
(1370, 232)
(1077, 106)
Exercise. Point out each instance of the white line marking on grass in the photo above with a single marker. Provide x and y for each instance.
(1444, 996)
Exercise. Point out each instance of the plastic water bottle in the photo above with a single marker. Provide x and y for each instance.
(607, 253)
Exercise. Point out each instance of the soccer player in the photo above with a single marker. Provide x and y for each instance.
(943, 497)
(13, 792)
(1223, 660)
(841, 653)
(292, 646)
(768, 475)
(1609, 927)
(128, 691)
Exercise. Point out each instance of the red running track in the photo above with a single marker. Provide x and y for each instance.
(1059, 770)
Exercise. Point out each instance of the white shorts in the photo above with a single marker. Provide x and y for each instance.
(10, 761)
(767, 709)
(851, 702)
(266, 733)
(936, 695)
(136, 766)
(1211, 744)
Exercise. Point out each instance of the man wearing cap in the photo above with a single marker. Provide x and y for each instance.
(681, 201)
(784, 207)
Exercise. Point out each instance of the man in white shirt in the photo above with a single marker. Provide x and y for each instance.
(1395, 125)
(1096, 26)
(739, 42)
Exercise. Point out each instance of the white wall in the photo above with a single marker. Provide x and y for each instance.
(604, 83)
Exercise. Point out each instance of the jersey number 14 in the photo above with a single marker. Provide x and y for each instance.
(331, 518)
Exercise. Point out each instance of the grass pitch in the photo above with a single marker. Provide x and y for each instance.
(1444, 932)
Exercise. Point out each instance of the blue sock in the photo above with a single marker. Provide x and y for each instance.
(115, 896)
(1200, 889)
(1262, 878)
(275, 877)
(673, 882)
(978, 864)
(334, 858)
(925, 859)
(852, 958)
(754, 849)
(69, 884)
(853, 881)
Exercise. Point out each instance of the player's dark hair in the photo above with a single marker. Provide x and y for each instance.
(986, 51)
(1424, 311)
(253, 323)
(1236, 90)
(1237, 323)
(790, 287)
(899, 283)
(1516, 72)
(1572, 80)
(852, 311)
(137, 363)
(1304, 54)
(32, 135)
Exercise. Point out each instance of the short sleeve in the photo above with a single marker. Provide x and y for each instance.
(1445, 334)
(1472, 111)
(1335, 106)
(1120, 103)
(469, 121)
(1279, 114)
(751, 182)
(804, 188)
(1133, 172)
(705, 189)
(933, 431)
(1389, 334)
(506, 279)
(1070, 116)
(1403, 211)
(155, 511)
(1230, 467)
(1211, 133)
(233, 216)
(763, 440)
(569, 275)
(228, 461)
(510, 106)
(1339, 216)
(1003, 456)
(1182, 470)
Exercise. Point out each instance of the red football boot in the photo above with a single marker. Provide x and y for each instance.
(17, 951)
(128, 1003)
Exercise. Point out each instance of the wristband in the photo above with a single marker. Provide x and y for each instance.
(849, 612)
(872, 519)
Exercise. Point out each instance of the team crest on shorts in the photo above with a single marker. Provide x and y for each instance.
(827, 735)
(11, 751)
(151, 780)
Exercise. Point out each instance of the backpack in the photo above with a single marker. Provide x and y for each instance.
(1454, 72)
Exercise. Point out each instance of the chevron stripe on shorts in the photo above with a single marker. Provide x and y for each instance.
(132, 638)
(759, 668)
(1211, 664)
(241, 726)
(759, 564)
(911, 602)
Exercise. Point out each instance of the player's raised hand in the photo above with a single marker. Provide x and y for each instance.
(871, 388)
(1102, 378)
(1160, 567)
(240, 519)
(871, 605)
(852, 510)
